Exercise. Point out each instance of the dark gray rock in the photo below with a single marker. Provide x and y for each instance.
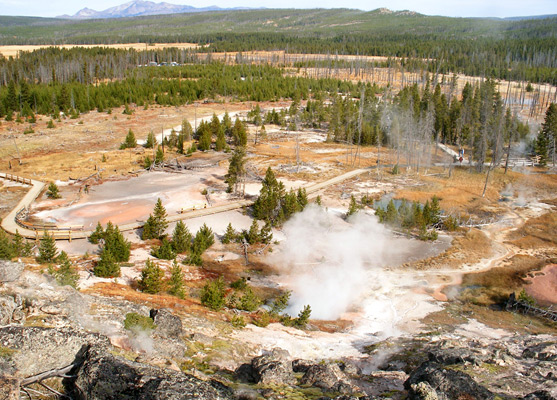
(246, 374)
(41, 349)
(302, 365)
(447, 384)
(10, 271)
(453, 356)
(273, 367)
(167, 323)
(327, 377)
(103, 376)
(546, 351)
(539, 395)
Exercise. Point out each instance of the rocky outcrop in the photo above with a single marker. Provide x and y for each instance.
(11, 310)
(431, 381)
(39, 349)
(10, 271)
(167, 324)
(328, 377)
(546, 351)
(103, 376)
(273, 367)
(539, 395)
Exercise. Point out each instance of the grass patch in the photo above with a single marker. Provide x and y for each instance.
(135, 321)
(495, 285)
(6, 352)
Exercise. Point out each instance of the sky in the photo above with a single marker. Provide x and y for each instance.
(453, 8)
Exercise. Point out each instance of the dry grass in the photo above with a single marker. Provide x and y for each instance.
(13, 51)
(540, 232)
(469, 248)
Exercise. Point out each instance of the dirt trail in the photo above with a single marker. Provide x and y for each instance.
(501, 251)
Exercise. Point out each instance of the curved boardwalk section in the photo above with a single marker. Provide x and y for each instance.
(10, 223)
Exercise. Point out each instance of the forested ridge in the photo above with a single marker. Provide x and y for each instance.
(501, 49)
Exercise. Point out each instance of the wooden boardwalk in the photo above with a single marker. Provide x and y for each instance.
(10, 223)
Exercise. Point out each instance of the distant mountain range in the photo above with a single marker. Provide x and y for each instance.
(137, 8)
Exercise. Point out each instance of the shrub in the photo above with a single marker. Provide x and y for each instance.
(230, 234)
(238, 321)
(303, 317)
(262, 319)
(249, 301)
(107, 267)
(66, 274)
(164, 251)
(213, 294)
(239, 284)
(176, 283)
(151, 278)
(135, 321)
(53, 192)
(280, 303)
(129, 142)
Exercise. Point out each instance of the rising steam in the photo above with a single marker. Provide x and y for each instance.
(324, 260)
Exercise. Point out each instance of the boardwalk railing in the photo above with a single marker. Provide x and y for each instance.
(16, 178)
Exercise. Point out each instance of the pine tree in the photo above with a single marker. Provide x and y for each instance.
(352, 207)
(116, 244)
(66, 273)
(151, 141)
(129, 142)
(239, 133)
(97, 235)
(435, 211)
(227, 124)
(266, 234)
(47, 249)
(53, 191)
(159, 156)
(176, 283)
(268, 205)
(220, 144)
(302, 198)
(391, 215)
(20, 247)
(303, 317)
(156, 223)
(164, 251)
(229, 235)
(252, 236)
(6, 249)
(215, 125)
(426, 212)
(545, 142)
(187, 131)
(204, 134)
(236, 169)
(106, 267)
(181, 238)
(204, 238)
(151, 278)
(213, 294)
